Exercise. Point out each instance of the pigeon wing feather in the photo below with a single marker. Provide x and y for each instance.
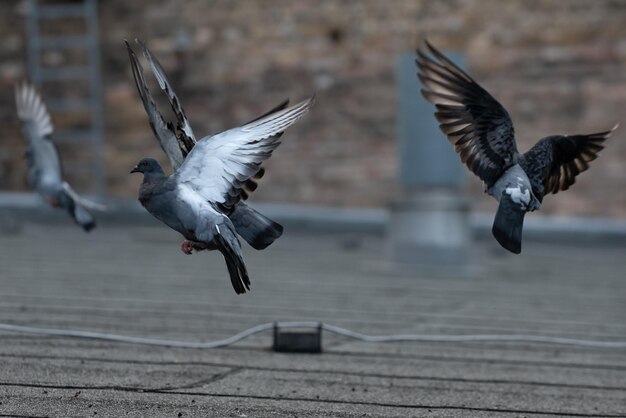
(475, 123)
(218, 166)
(553, 163)
(44, 163)
(184, 135)
(163, 131)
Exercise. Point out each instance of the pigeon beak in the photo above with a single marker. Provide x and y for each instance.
(135, 170)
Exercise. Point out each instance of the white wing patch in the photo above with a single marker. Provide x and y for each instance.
(32, 111)
(216, 167)
(517, 196)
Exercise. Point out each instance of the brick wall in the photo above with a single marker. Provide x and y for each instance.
(558, 67)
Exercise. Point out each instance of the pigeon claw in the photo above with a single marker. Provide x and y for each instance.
(189, 246)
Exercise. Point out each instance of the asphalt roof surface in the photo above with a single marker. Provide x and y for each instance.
(137, 282)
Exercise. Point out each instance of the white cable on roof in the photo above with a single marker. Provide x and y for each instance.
(311, 324)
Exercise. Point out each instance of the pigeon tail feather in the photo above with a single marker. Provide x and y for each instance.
(258, 230)
(508, 224)
(84, 218)
(234, 261)
(79, 213)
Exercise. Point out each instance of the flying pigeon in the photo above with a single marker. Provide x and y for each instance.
(482, 133)
(45, 173)
(203, 198)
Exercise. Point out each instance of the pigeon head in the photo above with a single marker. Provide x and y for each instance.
(148, 166)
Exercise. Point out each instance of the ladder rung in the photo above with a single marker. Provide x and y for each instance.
(68, 105)
(62, 42)
(79, 135)
(61, 11)
(63, 73)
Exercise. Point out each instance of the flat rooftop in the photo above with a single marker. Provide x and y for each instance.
(135, 281)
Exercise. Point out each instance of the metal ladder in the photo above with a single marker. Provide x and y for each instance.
(91, 137)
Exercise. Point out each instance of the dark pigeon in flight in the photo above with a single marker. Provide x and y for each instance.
(45, 173)
(482, 133)
(203, 198)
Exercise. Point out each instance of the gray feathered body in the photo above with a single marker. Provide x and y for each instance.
(44, 169)
(174, 204)
(158, 194)
(45, 177)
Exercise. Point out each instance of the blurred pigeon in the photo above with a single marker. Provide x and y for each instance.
(178, 140)
(202, 199)
(482, 133)
(44, 164)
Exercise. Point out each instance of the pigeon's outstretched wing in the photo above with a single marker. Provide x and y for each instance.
(251, 185)
(218, 166)
(184, 133)
(257, 229)
(33, 113)
(476, 123)
(281, 106)
(44, 164)
(163, 131)
(553, 163)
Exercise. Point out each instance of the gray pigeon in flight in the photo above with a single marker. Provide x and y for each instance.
(45, 173)
(178, 140)
(203, 198)
(482, 133)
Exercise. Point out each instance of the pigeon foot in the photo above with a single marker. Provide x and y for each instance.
(189, 246)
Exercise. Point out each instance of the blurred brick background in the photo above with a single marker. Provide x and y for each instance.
(558, 67)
